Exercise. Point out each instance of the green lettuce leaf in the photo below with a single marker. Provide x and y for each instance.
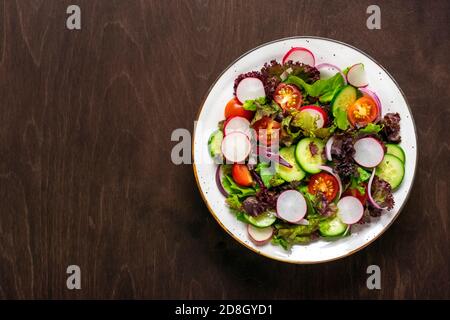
(340, 118)
(261, 108)
(371, 128)
(234, 202)
(252, 105)
(286, 235)
(280, 241)
(309, 198)
(307, 122)
(241, 216)
(233, 189)
(363, 174)
(268, 176)
(324, 89)
(358, 180)
(288, 136)
(265, 110)
(235, 205)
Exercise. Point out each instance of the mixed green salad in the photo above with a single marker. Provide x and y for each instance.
(305, 151)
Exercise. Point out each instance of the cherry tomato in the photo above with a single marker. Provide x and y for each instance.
(288, 97)
(355, 193)
(235, 109)
(362, 111)
(241, 175)
(325, 183)
(267, 130)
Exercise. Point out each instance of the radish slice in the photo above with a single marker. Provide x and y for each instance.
(356, 76)
(301, 55)
(237, 124)
(336, 176)
(368, 152)
(250, 89)
(259, 236)
(374, 96)
(328, 148)
(318, 113)
(303, 222)
(219, 175)
(291, 206)
(327, 70)
(350, 210)
(236, 147)
(369, 192)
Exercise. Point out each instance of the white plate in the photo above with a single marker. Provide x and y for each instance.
(212, 111)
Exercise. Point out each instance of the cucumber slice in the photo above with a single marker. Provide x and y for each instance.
(396, 150)
(263, 220)
(343, 99)
(391, 169)
(310, 163)
(215, 144)
(290, 174)
(332, 227)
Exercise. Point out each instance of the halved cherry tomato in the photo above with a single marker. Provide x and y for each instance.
(362, 111)
(235, 109)
(288, 97)
(241, 175)
(325, 183)
(267, 130)
(355, 193)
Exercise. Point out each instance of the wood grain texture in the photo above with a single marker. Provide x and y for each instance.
(85, 171)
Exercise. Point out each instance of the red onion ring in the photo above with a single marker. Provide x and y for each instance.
(328, 148)
(330, 171)
(258, 179)
(369, 192)
(329, 65)
(374, 96)
(219, 181)
(271, 156)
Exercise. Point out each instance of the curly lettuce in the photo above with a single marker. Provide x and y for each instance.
(287, 235)
(262, 108)
(382, 193)
(272, 74)
(234, 189)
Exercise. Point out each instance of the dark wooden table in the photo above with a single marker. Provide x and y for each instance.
(85, 171)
